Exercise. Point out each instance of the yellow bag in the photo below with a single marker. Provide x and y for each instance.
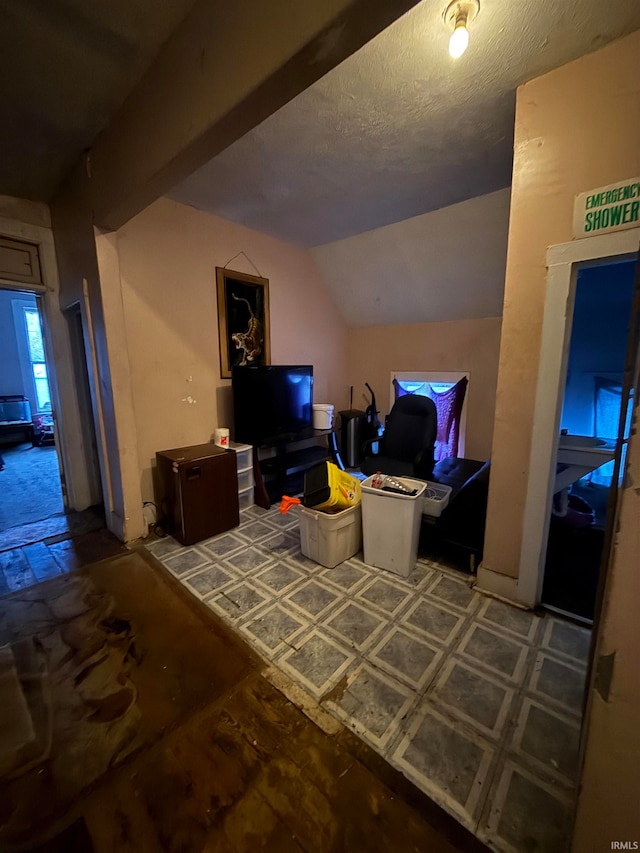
(329, 489)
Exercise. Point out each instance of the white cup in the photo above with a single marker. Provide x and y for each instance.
(222, 437)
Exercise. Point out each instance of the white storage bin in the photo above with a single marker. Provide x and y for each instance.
(330, 538)
(322, 416)
(246, 498)
(245, 479)
(244, 455)
(391, 526)
(436, 498)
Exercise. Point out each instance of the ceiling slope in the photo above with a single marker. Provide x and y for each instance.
(445, 265)
(65, 67)
(399, 129)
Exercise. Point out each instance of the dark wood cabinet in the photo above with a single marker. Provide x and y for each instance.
(197, 491)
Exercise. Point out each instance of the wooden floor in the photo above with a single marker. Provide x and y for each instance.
(240, 769)
(253, 773)
(21, 566)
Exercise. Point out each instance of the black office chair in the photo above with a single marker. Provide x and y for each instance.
(406, 447)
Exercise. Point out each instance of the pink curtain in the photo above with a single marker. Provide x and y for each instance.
(449, 409)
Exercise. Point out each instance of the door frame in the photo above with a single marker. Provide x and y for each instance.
(32, 294)
(77, 487)
(88, 404)
(563, 262)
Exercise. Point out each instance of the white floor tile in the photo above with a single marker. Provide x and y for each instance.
(475, 701)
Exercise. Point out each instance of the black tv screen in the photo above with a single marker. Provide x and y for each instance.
(271, 401)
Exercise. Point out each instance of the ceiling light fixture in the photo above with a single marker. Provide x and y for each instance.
(458, 15)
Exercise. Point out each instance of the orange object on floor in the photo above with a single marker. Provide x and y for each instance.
(286, 503)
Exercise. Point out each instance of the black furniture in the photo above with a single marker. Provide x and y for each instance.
(575, 549)
(572, 567)
(281, 472)
(406, 447)
(15, 418)
(459, 531)
(197, 491)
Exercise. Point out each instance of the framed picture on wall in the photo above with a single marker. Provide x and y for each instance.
(243, 320)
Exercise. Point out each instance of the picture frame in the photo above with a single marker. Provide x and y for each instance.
(243, 319)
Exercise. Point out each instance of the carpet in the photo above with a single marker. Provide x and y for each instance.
(29, 485)
(110, 658)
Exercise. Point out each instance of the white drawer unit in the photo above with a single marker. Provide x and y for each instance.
(244, 455)
(246, 497)
(245, 479)
(244, 459)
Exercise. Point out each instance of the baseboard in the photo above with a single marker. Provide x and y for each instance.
(498, 585)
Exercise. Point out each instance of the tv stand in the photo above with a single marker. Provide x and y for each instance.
(283, 472)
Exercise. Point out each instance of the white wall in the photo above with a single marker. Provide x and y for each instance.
(23, 210)
(441, 266)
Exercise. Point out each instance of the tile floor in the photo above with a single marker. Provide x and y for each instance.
(477, 702)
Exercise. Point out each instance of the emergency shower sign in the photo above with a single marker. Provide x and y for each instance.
(606, 209)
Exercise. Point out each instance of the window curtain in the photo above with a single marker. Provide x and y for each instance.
(449, 409)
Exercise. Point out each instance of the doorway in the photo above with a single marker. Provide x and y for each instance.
(589, 433)
(563, 263)
(31, 488)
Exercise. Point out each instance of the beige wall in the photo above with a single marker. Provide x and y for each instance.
(23, 210)
(462, 345)
(576, 128)
(81, 285)
(167, 256)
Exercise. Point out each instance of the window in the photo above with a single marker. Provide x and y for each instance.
(606, 421)
(36, 358)
(449, 404)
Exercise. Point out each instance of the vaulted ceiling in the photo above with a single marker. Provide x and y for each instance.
(398, 130)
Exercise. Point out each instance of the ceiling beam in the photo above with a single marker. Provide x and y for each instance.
(225, 70)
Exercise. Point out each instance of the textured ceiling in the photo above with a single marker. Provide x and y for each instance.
(65, 67)
(398, 133)
(399, 128)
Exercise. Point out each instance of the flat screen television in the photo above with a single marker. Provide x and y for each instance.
(271, 402)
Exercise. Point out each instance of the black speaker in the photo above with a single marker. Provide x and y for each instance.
(351, 437)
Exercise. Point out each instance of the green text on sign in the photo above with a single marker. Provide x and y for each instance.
(610, 208)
